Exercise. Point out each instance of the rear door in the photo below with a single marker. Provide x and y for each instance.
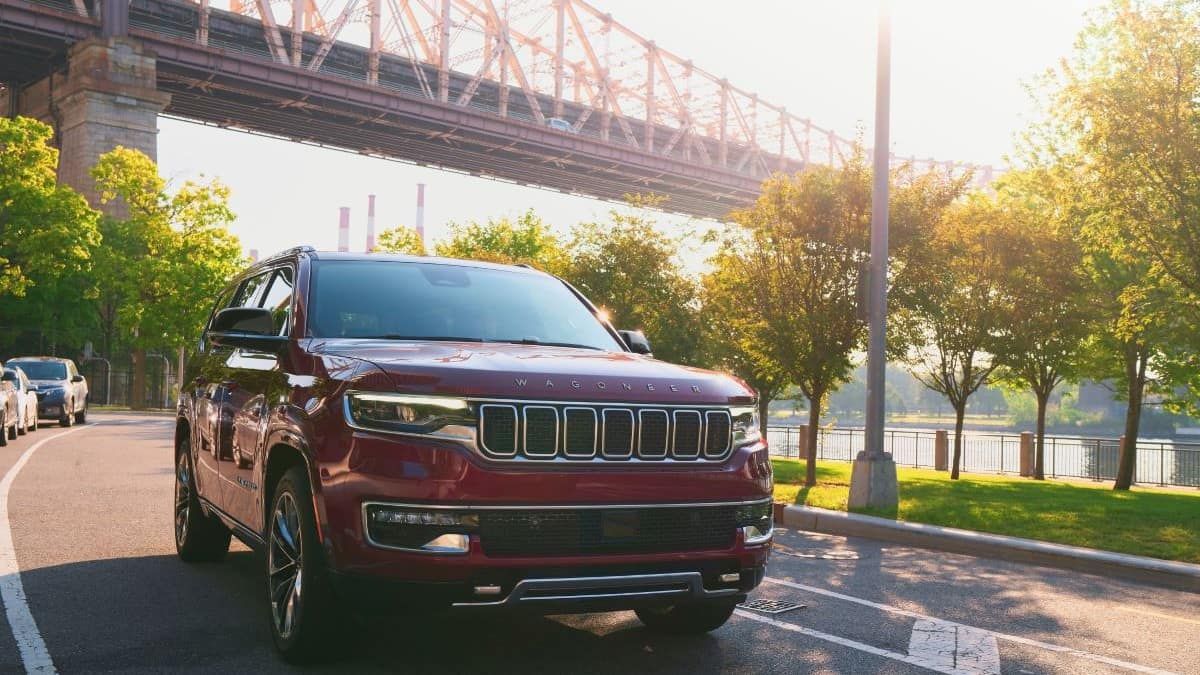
(257, 385)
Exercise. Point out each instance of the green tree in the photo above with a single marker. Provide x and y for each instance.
(631, 269)
(732, 338)
(161, 267)
(527, 240)
(1041, 343)
(400, 239)
(47, 231)
(957, 319)
(806, 241)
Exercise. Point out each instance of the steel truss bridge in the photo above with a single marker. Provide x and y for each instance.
(551, 93)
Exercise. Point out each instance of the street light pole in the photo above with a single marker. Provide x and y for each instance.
(873, 479)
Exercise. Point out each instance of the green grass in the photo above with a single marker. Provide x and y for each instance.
(1157, 523)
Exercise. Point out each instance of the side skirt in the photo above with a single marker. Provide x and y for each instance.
(243, 533)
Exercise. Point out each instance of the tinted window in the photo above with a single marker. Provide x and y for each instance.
(406, 300)
(251, 292)
(279, 299)
(42, 370)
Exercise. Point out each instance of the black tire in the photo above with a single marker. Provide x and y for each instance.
(66, 419)
(20, 428)
(306, 617)
(12, 431)
(688, 619)
(33, 426)
(81, 415)
(199, 537)
(3, 428)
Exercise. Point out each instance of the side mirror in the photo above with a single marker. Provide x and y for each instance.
(636, 341)
(248, 328)
(77, 378)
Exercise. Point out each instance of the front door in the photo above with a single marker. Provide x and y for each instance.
(258, 386)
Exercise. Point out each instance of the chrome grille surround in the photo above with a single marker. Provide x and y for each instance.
(645, 433)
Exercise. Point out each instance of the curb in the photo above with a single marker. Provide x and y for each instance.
(1177, 575)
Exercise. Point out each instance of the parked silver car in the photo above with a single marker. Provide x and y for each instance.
(27, 400)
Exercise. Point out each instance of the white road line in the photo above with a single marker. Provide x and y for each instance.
(845, 642)
(1078, 653)
(34, 654)
(965, 650)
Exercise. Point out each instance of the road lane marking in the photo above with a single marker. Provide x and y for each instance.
(1078, 653)
(33, 650)
(852, 644)
(962, 649)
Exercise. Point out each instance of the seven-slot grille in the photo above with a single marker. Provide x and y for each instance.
(544, 431)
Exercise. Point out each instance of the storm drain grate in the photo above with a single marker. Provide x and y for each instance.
(771, 606)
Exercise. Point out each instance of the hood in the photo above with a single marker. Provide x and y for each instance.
(500, 370)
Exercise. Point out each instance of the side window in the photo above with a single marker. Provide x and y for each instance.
(278, 299)
(251, 292)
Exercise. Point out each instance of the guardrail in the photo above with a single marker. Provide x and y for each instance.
(1158, 462)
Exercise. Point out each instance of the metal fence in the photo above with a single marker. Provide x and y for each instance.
(1158, 462)
(111, 383)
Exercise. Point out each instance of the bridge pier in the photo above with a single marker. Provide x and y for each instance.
(108, 98)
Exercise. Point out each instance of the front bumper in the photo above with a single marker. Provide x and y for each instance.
(50, 410)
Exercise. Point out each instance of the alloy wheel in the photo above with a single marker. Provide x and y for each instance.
(285, 564)
(183, 495)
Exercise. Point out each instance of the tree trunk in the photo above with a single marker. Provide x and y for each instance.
(137, 397)
(814, 425)
(959, 412)
(1135, 376)
(1039, 462)
(764, 406)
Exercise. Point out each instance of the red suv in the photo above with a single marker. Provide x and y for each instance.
(415, 434)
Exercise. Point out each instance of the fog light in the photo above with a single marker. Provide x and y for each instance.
(448, 543)
(757, 522)
(731, 577)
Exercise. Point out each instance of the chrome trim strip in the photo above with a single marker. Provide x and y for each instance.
(666, 437)
(595, 431)
(563, 507)
(483, 446)
(604, 436)
(728, 449)
(761, 539)
(602, 404)
(423, 551)
(631, 586)
(525, 431)
(675, 432)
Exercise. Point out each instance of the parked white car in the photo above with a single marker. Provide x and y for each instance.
(27, 400)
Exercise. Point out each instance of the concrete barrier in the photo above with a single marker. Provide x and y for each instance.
(1184, 576)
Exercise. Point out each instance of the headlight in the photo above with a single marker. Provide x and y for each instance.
(412, 414)
(745, 425)
(757, 522)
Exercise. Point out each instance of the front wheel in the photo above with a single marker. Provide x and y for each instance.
(3, 428)
(687, 619)
(305, 614)
(13, 430)
(199, 537)
(81, 416)
(67, 418)
(33, 421)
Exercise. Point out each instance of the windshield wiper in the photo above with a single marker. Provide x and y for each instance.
(419, 338)
(535, 341)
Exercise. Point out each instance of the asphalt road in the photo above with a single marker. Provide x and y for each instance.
(90, 520)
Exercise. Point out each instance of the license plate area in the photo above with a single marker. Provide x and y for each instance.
(619, 526)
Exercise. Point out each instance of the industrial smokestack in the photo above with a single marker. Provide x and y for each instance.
(421, 211)
(344, 229)
(370, 223)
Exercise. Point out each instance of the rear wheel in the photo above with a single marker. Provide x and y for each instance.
(305, 613)
(688, 619)
(81, 416)
(199, 537)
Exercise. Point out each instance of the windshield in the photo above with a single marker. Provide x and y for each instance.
(41, 370)
(427, 301)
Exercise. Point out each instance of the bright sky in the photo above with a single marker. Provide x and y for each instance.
(958, 74)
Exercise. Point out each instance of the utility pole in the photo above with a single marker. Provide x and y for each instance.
(873, 479)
